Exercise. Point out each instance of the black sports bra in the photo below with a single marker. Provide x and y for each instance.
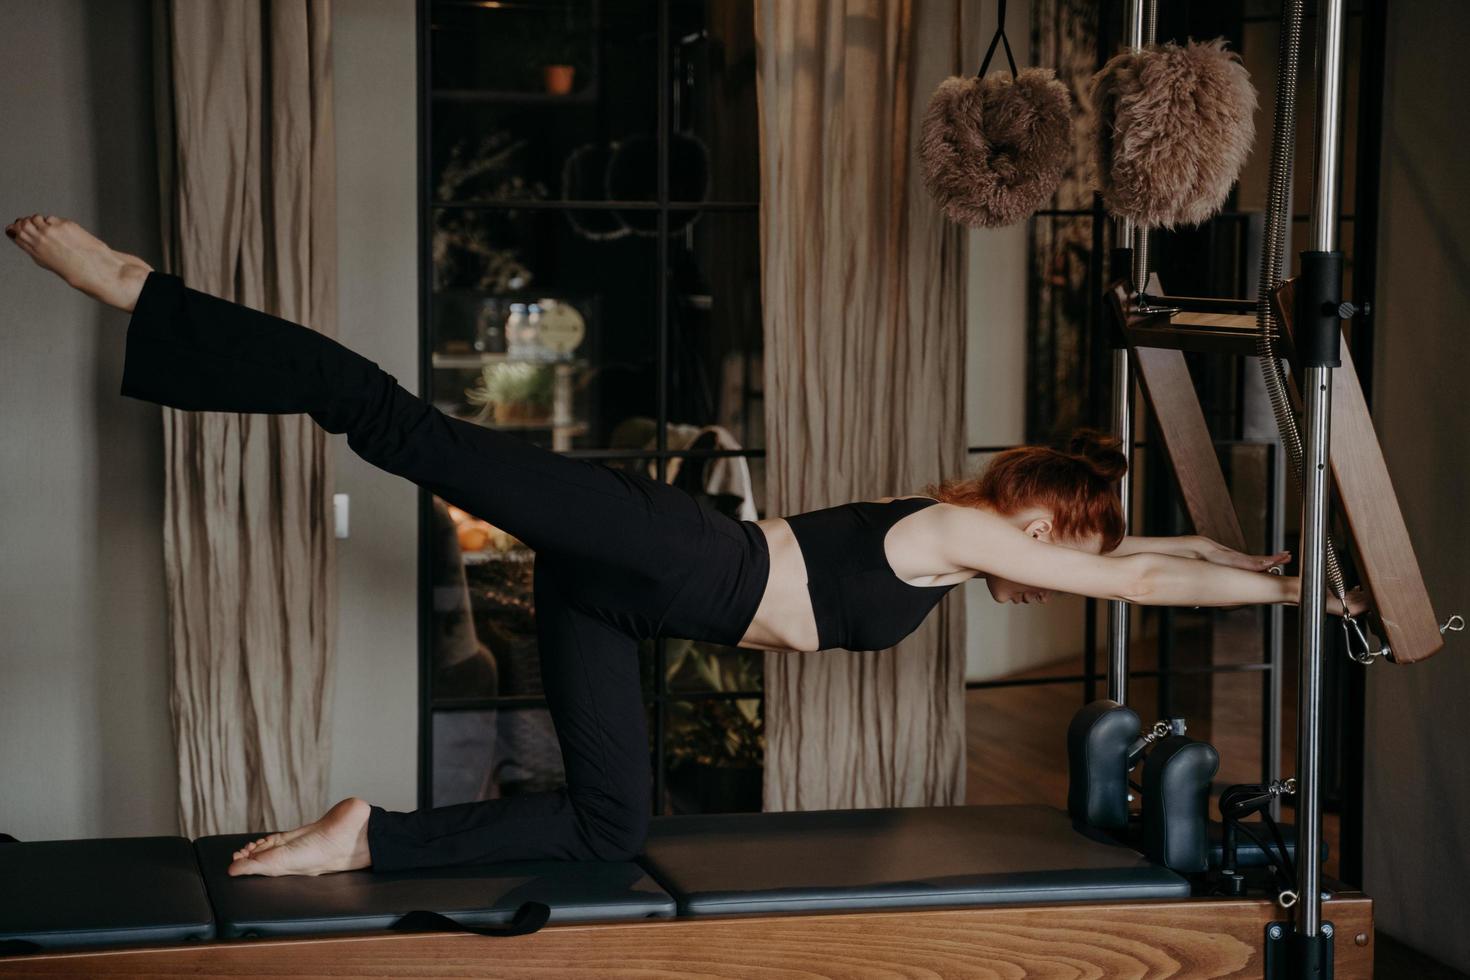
(859, 602)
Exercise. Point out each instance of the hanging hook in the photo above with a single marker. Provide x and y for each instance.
(1000, 38)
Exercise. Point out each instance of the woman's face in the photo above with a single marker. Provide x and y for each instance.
(1040, 528)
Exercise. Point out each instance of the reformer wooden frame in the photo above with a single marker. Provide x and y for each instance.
(1384, 554)
(1197, 938)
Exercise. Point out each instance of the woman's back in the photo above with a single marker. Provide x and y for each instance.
(858, 601)
(852, 597)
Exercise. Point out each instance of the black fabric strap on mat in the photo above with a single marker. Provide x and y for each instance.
(529, 918)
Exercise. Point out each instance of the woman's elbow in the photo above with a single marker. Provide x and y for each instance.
(1139, 583)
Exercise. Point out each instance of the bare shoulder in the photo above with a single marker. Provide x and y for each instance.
(947, 535)
(953, 517)
(916, 549)
(909, 496)
(943, 519)
(965, 536)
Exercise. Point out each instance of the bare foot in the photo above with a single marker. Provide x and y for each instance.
(70, 251)
(336, 842)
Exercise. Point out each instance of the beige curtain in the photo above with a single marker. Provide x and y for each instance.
(864, 303)
(244, 99)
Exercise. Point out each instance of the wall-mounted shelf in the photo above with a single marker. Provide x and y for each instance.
(472, 96)
(481, 358)
(515, 556)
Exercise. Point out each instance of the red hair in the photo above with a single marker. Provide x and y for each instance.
(1076, 485)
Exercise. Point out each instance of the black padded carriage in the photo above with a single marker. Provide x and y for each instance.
(119, 892)
(62, 894)
(911, 857)
(472, 895)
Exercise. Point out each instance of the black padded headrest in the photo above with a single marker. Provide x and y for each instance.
(1098, 742)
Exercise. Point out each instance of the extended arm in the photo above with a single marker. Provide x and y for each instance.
(981, 541)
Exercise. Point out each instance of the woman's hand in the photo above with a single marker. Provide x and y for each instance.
(1218, 554)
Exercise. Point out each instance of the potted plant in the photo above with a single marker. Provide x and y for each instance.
(558, 78)
(557, 53)
(513, 391)
(716, 747)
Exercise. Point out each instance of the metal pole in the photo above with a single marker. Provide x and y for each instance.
(1117, 609)
(1276, 620)
(1316, 313)
(1329, 115)
(1135, 239)
(1133, 24)
(1143, 29)
(1309, 729)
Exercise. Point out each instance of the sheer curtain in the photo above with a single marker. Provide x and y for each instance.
(247, 175)
(864, 297)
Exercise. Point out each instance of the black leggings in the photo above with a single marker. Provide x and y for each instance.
(619, 558)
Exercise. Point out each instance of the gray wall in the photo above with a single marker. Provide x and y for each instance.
(1418, 794)
(1003, 639)
(375, 727)
(85, 745)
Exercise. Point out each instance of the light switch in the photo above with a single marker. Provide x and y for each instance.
(339, 513)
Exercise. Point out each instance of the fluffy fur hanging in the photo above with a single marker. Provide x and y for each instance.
(994, 149)
(1173, 127)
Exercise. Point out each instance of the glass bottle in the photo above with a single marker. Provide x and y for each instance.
(515, 328)
(534, 348)
(489, 335)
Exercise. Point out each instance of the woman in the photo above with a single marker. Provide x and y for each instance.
(620, 557)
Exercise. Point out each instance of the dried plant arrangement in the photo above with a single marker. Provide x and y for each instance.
(466, 251)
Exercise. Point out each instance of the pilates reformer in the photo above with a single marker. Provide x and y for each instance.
(956, 889)
(952, 890)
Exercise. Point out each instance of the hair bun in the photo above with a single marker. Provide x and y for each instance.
(1101, 452)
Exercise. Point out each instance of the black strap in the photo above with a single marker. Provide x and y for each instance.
(1000, 38)
(1284, 872)
(1239, 802)
(529, 918)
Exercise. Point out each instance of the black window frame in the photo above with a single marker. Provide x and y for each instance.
(661, 454)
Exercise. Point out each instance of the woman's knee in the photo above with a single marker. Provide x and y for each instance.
(614, 830)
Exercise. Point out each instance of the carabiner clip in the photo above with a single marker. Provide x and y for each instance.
(1364, 654)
